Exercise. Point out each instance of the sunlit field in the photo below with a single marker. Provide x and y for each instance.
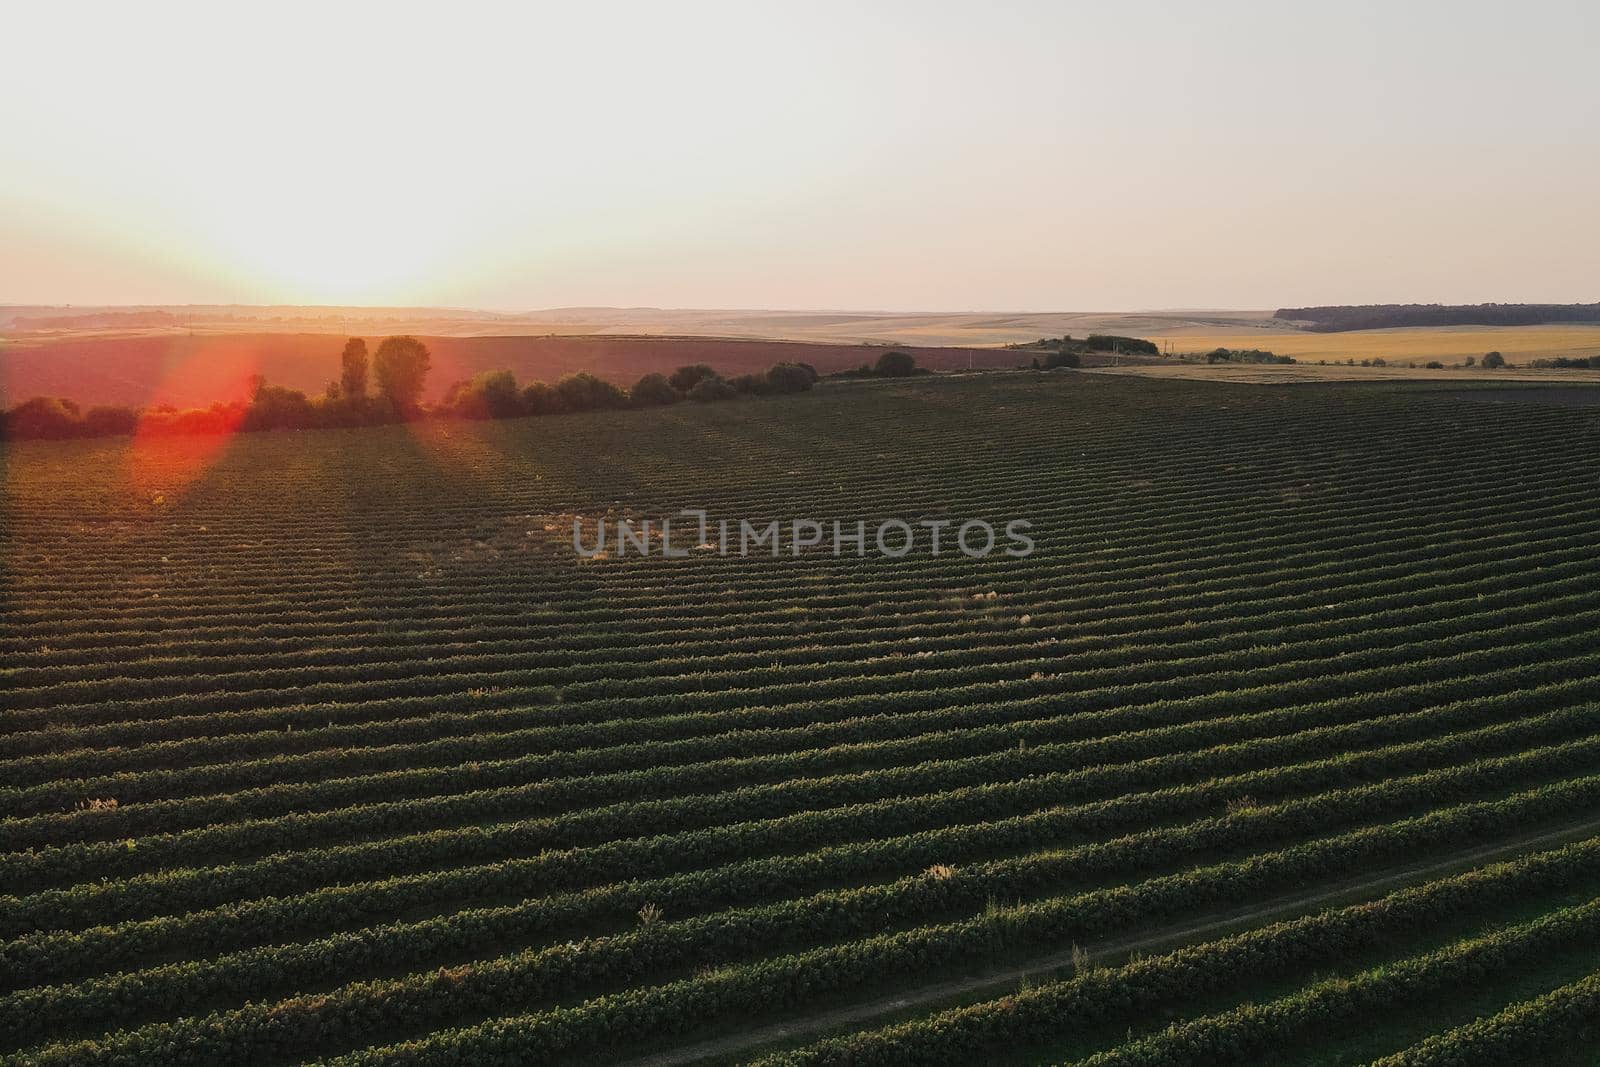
(1284, 744)
(1448, 344)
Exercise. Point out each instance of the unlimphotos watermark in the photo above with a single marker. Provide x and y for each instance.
(741, 537)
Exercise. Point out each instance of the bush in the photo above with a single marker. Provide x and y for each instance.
(653, 390)
(1493, 360)
(1063, 359)
(789, 378)
(585, 392)
(686, 378)
(707, 390)
(1434, 364)
(895, 364)
(51, 417)
(539, 398)
(109, 421)
(489, 395)
(278, 408)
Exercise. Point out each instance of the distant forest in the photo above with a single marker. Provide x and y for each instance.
(1384, 316)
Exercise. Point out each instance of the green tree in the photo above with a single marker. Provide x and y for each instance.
(353, 369)
(401, 368)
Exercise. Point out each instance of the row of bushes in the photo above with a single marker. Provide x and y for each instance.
(496, 395)
(1095, 342)
(892, 364)
(400, 367)
(1245, 355)
(1570, 363)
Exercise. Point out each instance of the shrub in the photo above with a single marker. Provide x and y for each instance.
(686, 378)
(489, 395)
(1434, 364)
(1068, 360)
(895, 364)
(278, 408)
(707, 390)
(539, 398)
(653, 390)
(109, 421)
(51, 417)
(789, 378)
(1493, 360)
(585, 392)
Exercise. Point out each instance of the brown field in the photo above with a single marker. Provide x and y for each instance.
(195, 370)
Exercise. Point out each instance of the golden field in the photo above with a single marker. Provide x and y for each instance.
(1448, 344)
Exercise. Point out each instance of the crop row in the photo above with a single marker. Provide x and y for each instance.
(247, 974)
(1099, 999)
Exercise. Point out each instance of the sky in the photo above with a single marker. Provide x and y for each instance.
(923, 156)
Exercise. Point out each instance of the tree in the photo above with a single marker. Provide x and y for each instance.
(686, 378)
(653, 390)
(895, 364)
(353, 369)
(1071, 361)
(401, 367)
(1493, 360)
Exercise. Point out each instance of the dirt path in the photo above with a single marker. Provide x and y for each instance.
(1000, 982)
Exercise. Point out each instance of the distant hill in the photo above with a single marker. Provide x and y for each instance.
(1339, 317)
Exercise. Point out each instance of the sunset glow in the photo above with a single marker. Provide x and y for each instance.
(892, 155)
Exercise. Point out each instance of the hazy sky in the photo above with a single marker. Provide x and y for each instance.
(909, 156)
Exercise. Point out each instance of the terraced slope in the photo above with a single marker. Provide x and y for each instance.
(327, 745)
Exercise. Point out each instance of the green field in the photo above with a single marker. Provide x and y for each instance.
(1282, 747)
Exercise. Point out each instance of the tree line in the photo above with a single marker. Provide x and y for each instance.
(1339, 317)
(387, 387)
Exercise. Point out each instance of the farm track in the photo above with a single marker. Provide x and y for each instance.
(330, 747)
(1163, 940)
